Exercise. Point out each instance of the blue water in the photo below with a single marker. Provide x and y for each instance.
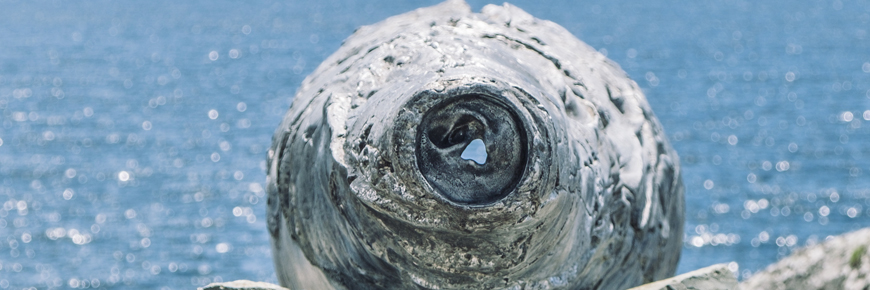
(134, 132)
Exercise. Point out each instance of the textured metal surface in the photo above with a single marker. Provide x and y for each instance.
(367, 189)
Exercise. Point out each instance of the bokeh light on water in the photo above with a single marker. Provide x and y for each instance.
(133, 133)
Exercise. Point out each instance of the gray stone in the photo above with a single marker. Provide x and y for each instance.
(716, 277)
(242, 285)
(368, 187)
(842, 262)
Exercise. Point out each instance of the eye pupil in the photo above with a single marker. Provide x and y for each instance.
(458, 135)
(464, 129)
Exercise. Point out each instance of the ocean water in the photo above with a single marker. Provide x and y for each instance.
(133, 133)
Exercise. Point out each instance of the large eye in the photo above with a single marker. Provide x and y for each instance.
(471, 149)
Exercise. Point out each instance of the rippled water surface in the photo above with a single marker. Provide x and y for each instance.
(133, 133)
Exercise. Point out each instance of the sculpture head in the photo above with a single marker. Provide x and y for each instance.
(372, 184)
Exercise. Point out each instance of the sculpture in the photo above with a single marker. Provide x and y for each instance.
(369, 185)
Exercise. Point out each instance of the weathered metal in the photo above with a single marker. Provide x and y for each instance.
(368, 188)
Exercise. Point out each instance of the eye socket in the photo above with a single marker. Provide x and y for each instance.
(449, 129)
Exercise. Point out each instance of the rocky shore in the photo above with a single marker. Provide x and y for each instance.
(842, 262)
(839, 263)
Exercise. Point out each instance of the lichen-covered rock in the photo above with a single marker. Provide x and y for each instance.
(716, 277)
(842, 262)
(242, 285)
(369, 184)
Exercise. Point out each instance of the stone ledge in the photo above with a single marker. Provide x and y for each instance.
(842, 262)
(242, 285)
(714, 277)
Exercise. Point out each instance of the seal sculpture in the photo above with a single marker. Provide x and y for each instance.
(370, 185)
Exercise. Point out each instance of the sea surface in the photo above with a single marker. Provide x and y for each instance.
(133, 133)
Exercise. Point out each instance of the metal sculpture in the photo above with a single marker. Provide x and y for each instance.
(371, 184)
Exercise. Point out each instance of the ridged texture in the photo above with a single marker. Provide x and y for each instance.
(597, 202)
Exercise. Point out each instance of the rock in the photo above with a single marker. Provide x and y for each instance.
(839, 263)
(242, 285)
(716, 277)
(373, 181)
